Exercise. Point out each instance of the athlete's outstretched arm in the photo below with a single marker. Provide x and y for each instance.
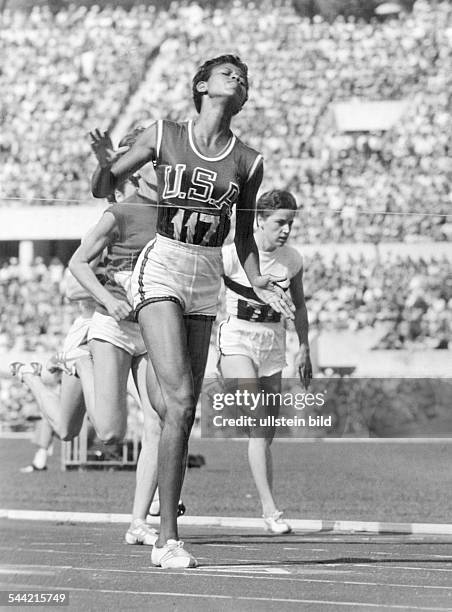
(92, 245)
(245, 244)
(113, 170)
(303, 359)
(265, 286)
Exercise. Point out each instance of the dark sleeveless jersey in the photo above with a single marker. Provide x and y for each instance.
(135, 228)
(197, 193)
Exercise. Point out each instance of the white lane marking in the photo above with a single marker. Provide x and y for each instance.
(25, 572)
(224, 569)
(247, 569)
(61, 543)
(404, 567)
(308, 525)
(227, 545)
(65, 552)
(322, 602)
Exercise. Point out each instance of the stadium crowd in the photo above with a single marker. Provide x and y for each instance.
(412, 298)
(78, 68)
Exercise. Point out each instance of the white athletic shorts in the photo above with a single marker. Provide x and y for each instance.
(263, 343)
(187, 274)
(123, 334)
(124, 279)
(77, 334)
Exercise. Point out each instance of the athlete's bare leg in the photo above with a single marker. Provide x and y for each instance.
(147, 466)
(43, 434)
(259, 452)
(42, 438)
(111, 370)
(64, 412)
(170, 342)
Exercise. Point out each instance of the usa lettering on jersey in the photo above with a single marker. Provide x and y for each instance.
(201, 187)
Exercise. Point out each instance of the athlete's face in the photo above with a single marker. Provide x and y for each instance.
(228, 80)
(276, 227)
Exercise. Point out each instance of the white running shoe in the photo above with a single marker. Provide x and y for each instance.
(172, 556)
(140, 533)
(275, 524)
(29, 469)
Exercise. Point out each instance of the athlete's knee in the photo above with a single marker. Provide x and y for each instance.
(177, 398)
(67, 436)
(181, 417)
(109, 438)
(111, 435)
(152, 429)
(67, 432)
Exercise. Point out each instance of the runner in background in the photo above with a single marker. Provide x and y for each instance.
(252, 341)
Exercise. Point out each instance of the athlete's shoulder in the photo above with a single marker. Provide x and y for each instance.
(292, 259)
(247, 151)
(170, 134)
(249, 159)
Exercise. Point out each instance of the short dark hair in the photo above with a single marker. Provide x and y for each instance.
(129, 139)
(204, 72)
(276, 199)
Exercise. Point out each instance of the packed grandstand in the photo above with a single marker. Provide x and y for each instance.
(71, 70)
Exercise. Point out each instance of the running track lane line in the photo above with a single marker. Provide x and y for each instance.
(329, 526)
(322, 602)
(46, 570)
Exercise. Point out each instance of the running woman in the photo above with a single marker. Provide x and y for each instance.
(203, 171)
(65, 411)
(252, 341)
(116, 343)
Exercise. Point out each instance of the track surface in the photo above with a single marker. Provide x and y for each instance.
(239, 570)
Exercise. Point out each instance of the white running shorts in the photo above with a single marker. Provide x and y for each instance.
(187, 274)
(123, 334)
(77, 334)
(263, 343)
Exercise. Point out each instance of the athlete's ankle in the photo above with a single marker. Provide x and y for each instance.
(163, 539)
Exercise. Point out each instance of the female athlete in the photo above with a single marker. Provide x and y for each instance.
(203, 171)
(252, 340)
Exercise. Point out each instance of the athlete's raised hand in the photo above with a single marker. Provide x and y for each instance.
(103, 148)
(303, 363)
(118, 309)
(268, 289)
